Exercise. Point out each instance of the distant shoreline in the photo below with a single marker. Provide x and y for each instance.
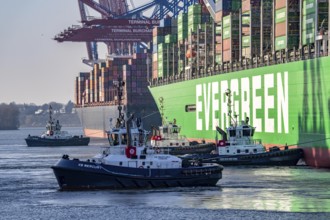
(66, 120)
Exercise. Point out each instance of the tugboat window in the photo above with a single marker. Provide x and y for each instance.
(175, 130)
(143, 163)
(232, 133)
(252, 132)
(151, 163)
(124, 139)
(238, 151)
(120, 163)
(115, 139)
(246, 131)
(255, 150)
(247, 151)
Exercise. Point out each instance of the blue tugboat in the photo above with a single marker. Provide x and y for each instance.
(53, 136)
(129, 163)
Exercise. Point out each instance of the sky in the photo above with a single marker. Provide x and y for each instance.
(34, 68)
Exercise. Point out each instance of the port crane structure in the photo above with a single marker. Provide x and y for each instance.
(122, 27)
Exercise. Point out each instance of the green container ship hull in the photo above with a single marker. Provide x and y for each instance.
(287, 103)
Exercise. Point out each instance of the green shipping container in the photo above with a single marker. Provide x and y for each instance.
(195, 9)
(218, 58)
(226, 33)
(182, 27)
(218, 29)
(246, 41)
(158, 39)
(194, 27)
(161, 56)
(308, 36)
(163, 72)
(162, 47)
(171, 38)
(194, 19)
(308, 7)
(281, 42)
(246, 18)
(182, 35)
(182, 18)
(280, 15)
(161, 65)
(226, 21)
(308, 22)
(160, 73)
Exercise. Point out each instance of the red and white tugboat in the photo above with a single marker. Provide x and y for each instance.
(168, 139)
(237, 147)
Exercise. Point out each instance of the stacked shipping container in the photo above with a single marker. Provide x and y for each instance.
(166, 51)
(136, 84)
(158, 37)
(182, 23)
(230, 38)
(96, 87)
(313, 21)
(227, 30)
(286, 24)
(80, 87)
(199, 46)
(241, 29)
(250, 24)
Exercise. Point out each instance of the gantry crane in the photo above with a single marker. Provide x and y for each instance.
(119, 26)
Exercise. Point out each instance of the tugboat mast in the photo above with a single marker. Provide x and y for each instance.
(119, 85)
(161, 107)
(232, 121)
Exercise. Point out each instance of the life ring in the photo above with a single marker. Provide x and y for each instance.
(132, 151)
(141, 167)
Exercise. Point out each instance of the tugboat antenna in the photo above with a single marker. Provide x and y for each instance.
(161, 107)
(50, 113)
(119, 85)
(231, 120)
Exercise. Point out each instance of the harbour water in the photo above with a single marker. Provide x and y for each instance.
(28, 190)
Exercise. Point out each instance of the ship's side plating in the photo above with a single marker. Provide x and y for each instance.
(75, 174)
(287, 103)
(277, 72)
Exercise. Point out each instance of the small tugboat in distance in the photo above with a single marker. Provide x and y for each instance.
(129, 163)
(53, 136)
(167, 138)
(242, 149)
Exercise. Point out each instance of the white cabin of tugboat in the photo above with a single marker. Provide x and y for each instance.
(134, 152)
(168, 135)
(240, 141)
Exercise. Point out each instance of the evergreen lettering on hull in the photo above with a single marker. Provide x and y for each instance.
(262, 98)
